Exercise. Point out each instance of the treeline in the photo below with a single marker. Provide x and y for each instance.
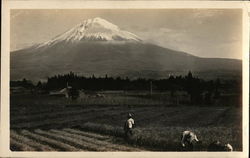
(23, 83)
(198, 89)
(187, 83)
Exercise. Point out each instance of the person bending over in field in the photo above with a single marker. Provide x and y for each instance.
(128, 126)
(218, 146)
(188, 139)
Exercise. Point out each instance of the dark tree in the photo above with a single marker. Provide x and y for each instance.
(73, 93)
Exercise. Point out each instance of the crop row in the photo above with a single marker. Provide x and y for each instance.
(65, 140)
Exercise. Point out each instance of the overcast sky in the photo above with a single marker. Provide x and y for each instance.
(201, 32)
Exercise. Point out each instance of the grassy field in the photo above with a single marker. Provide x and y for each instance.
(45, 123)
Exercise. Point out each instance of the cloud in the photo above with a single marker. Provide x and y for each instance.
(206, 13)
(165, 30)
(200, 43)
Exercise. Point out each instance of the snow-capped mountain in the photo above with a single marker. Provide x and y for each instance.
(96, 29)
(99, 47)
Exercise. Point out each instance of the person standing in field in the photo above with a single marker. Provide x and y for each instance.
(128, 127)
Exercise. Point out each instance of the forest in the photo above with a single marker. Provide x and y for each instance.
(194, 86)
(173, 83)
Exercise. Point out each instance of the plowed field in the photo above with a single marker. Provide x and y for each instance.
(44, 123)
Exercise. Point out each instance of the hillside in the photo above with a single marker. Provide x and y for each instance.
(98, 47)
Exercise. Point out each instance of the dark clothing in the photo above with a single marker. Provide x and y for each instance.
(216, 146)
(128, 129)
(189, 147)
(128, 134)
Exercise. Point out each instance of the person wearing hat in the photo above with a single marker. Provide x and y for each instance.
(128, 126)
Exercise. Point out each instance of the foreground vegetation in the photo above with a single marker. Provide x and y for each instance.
(101, 137)
(168, 138)
(159, 122)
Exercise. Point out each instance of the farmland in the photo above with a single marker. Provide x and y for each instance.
(45, 123)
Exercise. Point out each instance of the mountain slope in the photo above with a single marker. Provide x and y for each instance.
(99, 47)
(125, 59)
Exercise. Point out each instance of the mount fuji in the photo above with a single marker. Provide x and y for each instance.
(99, 47)
(96, 29)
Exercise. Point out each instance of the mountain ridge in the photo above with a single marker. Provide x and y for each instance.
(115, 57)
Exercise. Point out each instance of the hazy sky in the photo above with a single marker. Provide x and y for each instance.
(201, 32)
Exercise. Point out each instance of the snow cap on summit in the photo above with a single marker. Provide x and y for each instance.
(96, 29)
(99, 22)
